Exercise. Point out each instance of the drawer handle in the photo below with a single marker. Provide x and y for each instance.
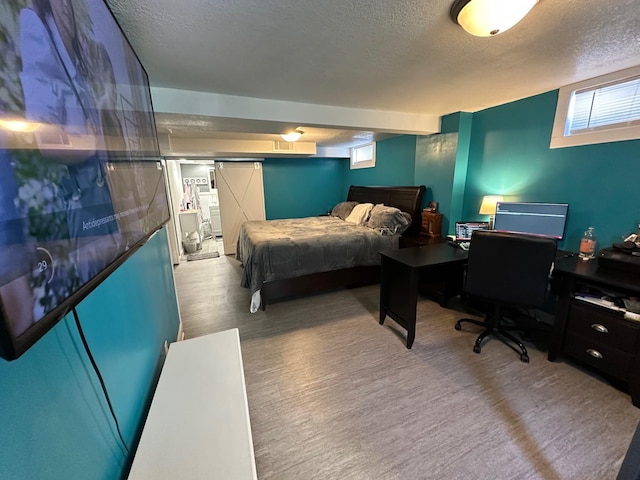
(594, 353)
(599, 328)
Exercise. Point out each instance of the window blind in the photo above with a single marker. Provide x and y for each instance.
(616, 104)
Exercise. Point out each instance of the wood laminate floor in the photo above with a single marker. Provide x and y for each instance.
(334, 395)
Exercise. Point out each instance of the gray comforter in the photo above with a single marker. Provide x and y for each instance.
(280, 249)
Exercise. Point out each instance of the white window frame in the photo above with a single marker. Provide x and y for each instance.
(368, 161)
(615, 133)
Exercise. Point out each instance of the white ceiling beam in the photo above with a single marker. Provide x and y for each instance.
(187, 102)
(189, 147)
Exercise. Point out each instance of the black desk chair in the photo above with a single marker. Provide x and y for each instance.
(507, 270)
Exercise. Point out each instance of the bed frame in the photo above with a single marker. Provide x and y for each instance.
(407, 199)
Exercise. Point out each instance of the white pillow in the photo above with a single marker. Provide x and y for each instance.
(360, 214)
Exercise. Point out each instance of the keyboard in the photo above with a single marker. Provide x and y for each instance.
(462, 245)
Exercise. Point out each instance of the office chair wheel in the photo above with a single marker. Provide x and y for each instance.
(524, 358)
(476, 349)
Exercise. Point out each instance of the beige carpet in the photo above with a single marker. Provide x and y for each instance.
(334, 395)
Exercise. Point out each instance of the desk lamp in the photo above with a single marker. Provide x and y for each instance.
(488, 207)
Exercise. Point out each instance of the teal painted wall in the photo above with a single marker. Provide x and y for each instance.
(463, 154)
(435, 167)
(442, 165)
(510, 154)
(55, 421)
(302, 187)
(451, 123)
(395, 165)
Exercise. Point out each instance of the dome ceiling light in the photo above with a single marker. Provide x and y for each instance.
(486, 18)
(292, 136)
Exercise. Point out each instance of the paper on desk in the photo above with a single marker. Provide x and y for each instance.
(632, 316)
(601, 302)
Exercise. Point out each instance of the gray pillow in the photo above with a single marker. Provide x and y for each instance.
(343, 209)
(388, 220)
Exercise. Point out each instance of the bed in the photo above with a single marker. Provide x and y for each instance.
(283, 258)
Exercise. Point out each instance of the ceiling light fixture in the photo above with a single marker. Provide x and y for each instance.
(486, 18)
(293, 136)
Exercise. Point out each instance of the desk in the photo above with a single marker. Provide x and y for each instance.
(401, 273)
(419, 241)
(596, 336)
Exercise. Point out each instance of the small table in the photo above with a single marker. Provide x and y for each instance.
(402, 272)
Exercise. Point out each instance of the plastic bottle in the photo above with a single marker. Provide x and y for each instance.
(588, 244)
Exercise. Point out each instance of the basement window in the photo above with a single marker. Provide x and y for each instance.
(363, 156)
(600, 110)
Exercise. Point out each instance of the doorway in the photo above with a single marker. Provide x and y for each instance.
(195, 207)
(212, 198)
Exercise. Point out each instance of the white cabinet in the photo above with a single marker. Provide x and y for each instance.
(216, 224)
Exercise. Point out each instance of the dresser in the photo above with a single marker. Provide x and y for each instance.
(595, 334)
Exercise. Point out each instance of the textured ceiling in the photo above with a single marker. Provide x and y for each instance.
(402, 55)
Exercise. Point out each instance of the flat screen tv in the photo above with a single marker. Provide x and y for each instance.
(544, 219)
(81, 183)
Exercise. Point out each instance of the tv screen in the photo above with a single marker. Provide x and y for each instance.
(545, 219)
(81, 183)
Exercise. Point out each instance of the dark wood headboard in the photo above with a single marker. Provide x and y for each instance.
(407, 199)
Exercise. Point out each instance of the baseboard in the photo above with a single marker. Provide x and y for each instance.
(180, 336)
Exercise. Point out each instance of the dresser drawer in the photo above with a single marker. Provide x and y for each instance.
(602, 356)
(602, 327)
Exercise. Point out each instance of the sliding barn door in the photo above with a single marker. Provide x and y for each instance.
(241, 196)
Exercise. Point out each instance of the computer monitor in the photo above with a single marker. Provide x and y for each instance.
(465, 229)
(545, 219)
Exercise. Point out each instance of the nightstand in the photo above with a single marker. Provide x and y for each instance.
(431, 224)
